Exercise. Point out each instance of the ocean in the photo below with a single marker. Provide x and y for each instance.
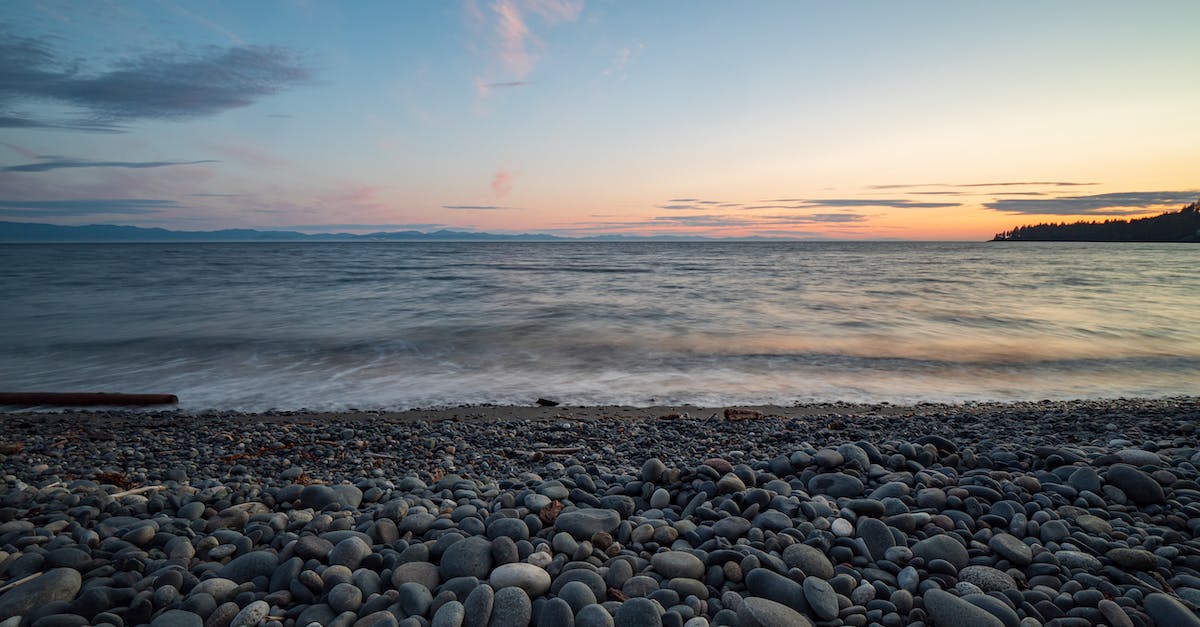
(329, 326)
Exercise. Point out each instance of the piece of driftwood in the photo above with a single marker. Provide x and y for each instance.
(13, 584)
(81, 399)
(135, 491)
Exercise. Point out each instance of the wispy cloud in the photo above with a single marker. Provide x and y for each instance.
(1114, 204)
(1003, 184)
(513, 39)
(696, 204)
(169, 85)
(477, 207)
(202, 21)
(54, 162)
(621, 59)
(502, 183)
(83, 207)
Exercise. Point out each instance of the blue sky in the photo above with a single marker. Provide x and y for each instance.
(923, 120)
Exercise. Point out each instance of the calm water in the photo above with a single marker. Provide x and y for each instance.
(258, 326)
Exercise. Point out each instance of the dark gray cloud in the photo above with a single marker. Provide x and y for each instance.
(1003, 184)
(709, 220)
(360, 227)
(87, 126)
(169, 85)
(54, 162)
(1114, 204)
(696, 204)
(895, 203)
(476, 207)
(83, 207)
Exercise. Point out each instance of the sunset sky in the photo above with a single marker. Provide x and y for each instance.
(848, 120)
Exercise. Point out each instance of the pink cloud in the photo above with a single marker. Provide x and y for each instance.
(512, 33)
(502, 183)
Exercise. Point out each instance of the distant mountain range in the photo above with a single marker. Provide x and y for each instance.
(30, 232)
(1177, 226)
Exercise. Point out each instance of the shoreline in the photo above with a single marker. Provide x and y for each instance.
(490, 411)
(979, 514)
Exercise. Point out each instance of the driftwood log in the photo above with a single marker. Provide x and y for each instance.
(81, 399)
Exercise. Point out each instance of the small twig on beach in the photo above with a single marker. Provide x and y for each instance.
(141, 490)
(14, 584)
(382, 455)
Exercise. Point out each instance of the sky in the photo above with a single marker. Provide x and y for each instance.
(918, 120)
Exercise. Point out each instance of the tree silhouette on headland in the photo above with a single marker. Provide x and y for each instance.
(1177, 226)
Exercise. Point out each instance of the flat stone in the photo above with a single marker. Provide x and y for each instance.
(1077, 559)
(947, 609)
(1011, 548)
(835, 484)
(759, 612)
(1169, 612)
(732, 527)
(1133, 559)
(528, 577)
(582, 524)
(768, 584)
(251, 615)
(177, 618)
(250, 565)
(821, 598)
(1093, 524)
(672, 564)
(1138, 486)
(810, 560)
(876, 535)
(59, 584)
(313, 547)
(1138, 457)
(988, 579)
(423, 573)
(995, 607)
(942, 547)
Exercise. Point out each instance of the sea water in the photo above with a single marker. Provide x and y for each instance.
(256, 326)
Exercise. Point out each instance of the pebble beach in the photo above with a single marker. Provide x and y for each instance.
(977, 515)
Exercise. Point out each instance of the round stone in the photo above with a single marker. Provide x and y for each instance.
(528, 577)
(471, 557)
(759, 612)
(947, 609)
(511, 608)
(672, 564)
(943, 547)
(639, 612)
